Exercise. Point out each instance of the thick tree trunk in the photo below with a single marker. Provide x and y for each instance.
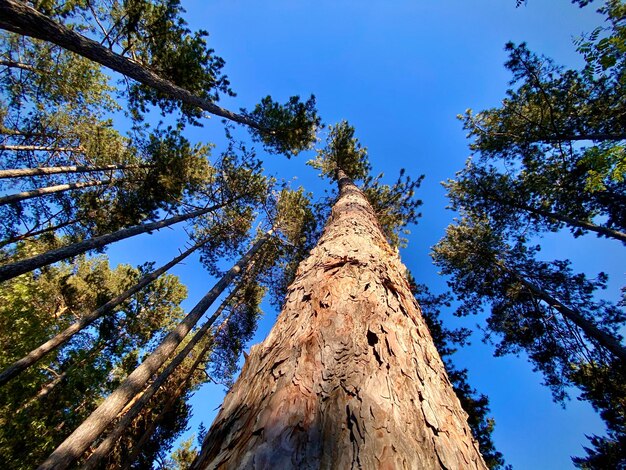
(74, 446)
(20, 18)
(349, 376)
(59, 188)
(63, 337)
(22, 172)
(12, 270)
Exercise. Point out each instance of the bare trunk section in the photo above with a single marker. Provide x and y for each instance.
(59, 188)
(349, 376)
(12, 270)
(76, 444)
(63, 337)
(54, 170)
(39, 148)
(22, 19)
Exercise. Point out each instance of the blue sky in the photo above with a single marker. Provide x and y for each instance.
(400, 71)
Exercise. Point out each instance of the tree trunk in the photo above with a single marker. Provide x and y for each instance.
(34, 233)
(107, 444)
(349, 376)
(22, 19)
(59, 188)
(607, 232)
(76, 444)
(39, 148)
(12, 270)
(63, 337)
(177, 393)
(600, 337)
(21, 172)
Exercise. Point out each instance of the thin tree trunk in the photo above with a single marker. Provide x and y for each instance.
(22, 19)
(60, 188)
(107, 444)
(63, 337)
(577, 137)
(34, 233)
(19, 65)
(39, 148)
(12, 270)
(181, 388)
(607, 232)
(349, 376)
(76, 444)
(604, 339)
(21, 172)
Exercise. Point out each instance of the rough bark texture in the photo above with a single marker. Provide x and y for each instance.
(349, 376)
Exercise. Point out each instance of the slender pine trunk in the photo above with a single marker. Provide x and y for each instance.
(20, 18)
(599, 336)
(34, 233)
(59, 188)
(22, 172)
(349, 376)
(39, 148)
(107, 444)
(605, 231)
(76, 444)
(63, 337)
(12, 270)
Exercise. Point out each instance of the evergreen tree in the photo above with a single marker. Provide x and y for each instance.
(349, 375)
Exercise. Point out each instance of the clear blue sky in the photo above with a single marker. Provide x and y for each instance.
(400, 71)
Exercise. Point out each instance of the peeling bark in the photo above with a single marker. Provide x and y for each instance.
(349, 376)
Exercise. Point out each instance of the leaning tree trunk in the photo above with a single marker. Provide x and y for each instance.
(59, 188)
(20, 18)
(349, 376)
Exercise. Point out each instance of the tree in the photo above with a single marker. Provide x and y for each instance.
(74, 446)
(349, 375)
(550, 157)
(293, 124)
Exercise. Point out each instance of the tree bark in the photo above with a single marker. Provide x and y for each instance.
(63, 337)
(76, 444)
(59, 188)
(22, 19)
(12, 270)
(21, 172)
(349, 376)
